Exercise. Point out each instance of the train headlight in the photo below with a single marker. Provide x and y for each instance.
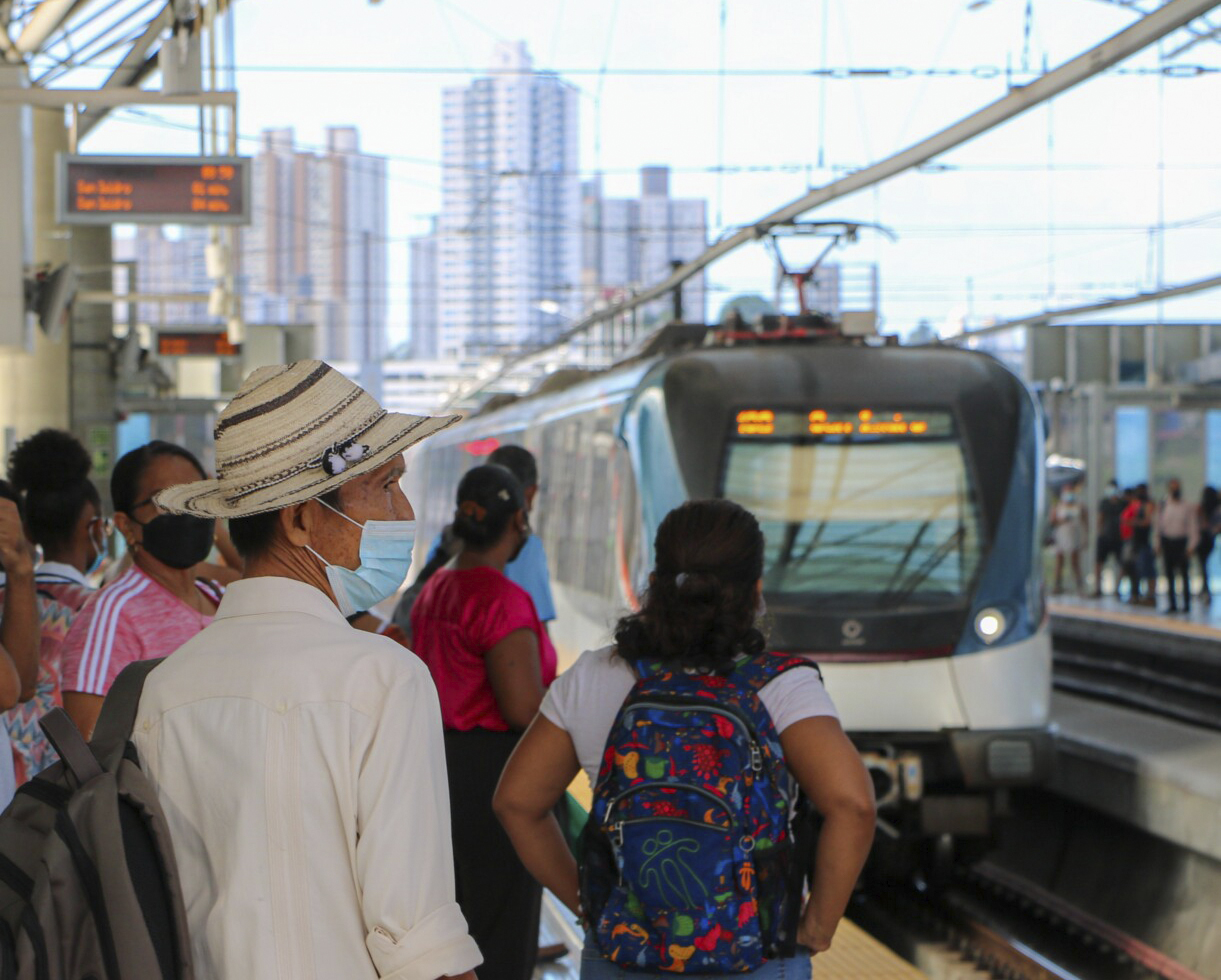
(990, 624)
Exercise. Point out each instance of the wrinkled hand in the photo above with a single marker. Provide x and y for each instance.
(15, 552)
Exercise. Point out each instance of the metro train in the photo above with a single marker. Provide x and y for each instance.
(901, 492)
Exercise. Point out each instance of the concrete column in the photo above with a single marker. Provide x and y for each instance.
(93, 408)
(34, 380)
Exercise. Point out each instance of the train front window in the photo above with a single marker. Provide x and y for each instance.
(874, 512)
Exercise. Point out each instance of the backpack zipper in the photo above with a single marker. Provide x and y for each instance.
(692, 789)
(756, 754)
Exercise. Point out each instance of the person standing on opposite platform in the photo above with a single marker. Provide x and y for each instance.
(63, 516)
(491, 660)
(1141, 511)
(1178, 533)
(1110, 537)
(1210, 527)
(299, 761)
(160, 601)
(1068, 534)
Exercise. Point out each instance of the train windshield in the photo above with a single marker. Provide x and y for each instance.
(867, 514)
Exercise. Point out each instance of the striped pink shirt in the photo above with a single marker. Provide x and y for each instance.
(133, 618)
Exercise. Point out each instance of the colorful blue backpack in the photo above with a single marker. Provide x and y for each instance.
(688, 858)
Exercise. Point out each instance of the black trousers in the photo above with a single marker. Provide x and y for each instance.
(498, 896)
(1174, 558)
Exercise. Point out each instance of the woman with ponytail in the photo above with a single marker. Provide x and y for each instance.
(491, 660)
(698, 617)
(63, 517)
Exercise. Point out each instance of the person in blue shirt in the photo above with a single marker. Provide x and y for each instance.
(528, 569)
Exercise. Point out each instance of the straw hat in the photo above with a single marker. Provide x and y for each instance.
(292, 433)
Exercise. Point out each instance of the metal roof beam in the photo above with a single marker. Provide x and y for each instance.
(1047, 316)
(134, 67)
(48, 17)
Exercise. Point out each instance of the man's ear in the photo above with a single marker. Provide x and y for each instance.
(298, 524)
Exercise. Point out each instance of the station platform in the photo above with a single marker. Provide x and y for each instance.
(1156, 774)
(854, 955)
(1114, 615)
(1129, 826)
(1127, 626)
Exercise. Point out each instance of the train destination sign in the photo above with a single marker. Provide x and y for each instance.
(862, 422)
(103, 190)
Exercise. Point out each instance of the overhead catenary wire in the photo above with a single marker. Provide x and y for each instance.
(1089, 63)
(986, 73)
(1049, 316)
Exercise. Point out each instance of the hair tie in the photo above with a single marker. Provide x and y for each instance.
(473, 510)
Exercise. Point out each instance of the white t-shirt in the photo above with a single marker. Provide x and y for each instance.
(585, 699)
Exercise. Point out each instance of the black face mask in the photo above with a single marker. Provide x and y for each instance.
(179, 540)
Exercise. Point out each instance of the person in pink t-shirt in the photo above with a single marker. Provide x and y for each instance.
(492, 661)
(158, 603)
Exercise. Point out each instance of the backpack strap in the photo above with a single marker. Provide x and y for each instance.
(118, 715)
(70, 745)
(759, 671)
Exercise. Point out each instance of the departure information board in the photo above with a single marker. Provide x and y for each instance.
(196, 344)
(100, 190)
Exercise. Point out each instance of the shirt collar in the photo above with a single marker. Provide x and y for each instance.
(275, 594)
(59, 569)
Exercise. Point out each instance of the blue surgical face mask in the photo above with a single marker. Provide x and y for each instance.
(385, 558)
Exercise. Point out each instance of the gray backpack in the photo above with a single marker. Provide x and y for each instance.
(88, 885)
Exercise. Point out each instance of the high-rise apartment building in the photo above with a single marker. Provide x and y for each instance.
(166, 261)
(316, 250)
(632, 243)
(507, 241)
(424, 312)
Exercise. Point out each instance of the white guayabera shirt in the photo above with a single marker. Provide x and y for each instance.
(301, 768)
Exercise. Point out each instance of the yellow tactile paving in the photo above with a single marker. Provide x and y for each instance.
(855, 955)
(1144, 620)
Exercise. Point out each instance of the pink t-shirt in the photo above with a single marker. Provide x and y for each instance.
(133, 618)
(459, 616)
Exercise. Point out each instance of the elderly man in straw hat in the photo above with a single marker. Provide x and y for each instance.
(300, 761)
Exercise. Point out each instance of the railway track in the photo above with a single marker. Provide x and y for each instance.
(991, 924)
(1143, 669)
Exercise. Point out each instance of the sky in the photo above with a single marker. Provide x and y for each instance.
(1111, 188)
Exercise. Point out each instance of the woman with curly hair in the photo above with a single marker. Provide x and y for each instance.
(698, 617)
(63, 517)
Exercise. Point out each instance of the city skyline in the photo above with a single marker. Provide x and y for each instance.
(316, 251)
(521, 247)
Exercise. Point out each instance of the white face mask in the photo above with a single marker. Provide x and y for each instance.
(385, 558)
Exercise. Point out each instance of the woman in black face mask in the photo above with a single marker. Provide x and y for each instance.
(159, 602)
